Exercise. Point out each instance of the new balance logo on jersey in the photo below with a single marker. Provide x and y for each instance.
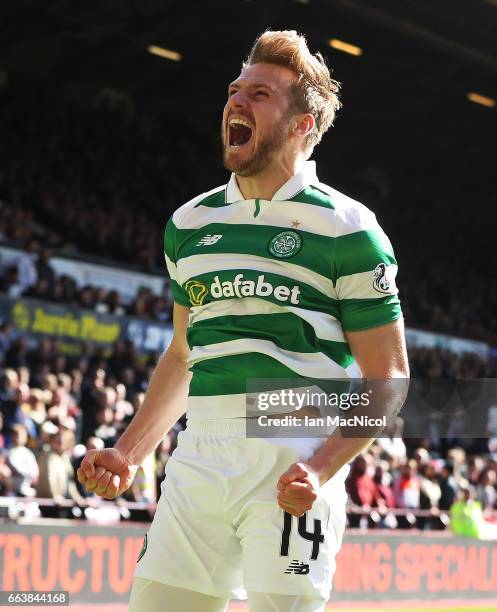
(248, 288)
(297, 567)
(209, 239)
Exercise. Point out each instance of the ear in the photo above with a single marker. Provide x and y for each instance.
(304, 124)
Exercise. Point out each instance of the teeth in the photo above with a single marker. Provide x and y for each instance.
(241, 122)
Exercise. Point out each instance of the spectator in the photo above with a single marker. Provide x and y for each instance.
(429, 493)
(57, 478)
(41, 290)
(474, 470)
(383, 481)
(466, 516)
(123, 409)
(9, 394)
(361, 487)
(101, 298)
(18, 354)
(421, 456)
(86, 297)
(6, 485)
(5, 339)
(105, 429)
(43, 268)
(114, 303)
(9, 283)
(448, 487)
(457, 457)
(407, 487)
(22, 462)
(486, 493)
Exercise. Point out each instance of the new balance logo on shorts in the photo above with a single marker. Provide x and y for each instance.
(209, 239)
(297, 567)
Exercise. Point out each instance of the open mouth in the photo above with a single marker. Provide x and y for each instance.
(239, 132)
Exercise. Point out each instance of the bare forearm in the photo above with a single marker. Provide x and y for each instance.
(164, 403)
(385, 399)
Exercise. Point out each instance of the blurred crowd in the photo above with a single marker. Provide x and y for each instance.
(55, 407)
(440, 363)
(411, 475)
(449, 301)
(32, 276)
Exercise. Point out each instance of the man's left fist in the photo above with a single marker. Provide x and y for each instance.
(298, 489)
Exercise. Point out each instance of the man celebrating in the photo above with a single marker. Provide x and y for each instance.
(274, 275)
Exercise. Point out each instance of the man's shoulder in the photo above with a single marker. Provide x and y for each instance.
(350, 214)
(213, 198)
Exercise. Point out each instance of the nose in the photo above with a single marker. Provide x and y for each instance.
(238, 99)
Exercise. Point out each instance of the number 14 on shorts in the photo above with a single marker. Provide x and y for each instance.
(316, 536)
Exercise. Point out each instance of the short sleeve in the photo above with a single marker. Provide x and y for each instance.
(179, 294)
(364, 273)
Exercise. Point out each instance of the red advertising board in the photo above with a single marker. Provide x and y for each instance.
(95, 564)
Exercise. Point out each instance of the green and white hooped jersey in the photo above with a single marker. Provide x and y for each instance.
(273, 285)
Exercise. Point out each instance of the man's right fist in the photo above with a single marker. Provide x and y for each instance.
(106, 472)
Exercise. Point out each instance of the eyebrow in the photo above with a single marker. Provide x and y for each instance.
(237, 85)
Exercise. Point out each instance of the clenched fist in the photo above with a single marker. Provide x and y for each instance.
(106, 472)
(298, 489)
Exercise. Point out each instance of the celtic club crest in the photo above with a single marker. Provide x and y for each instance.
(285, 244)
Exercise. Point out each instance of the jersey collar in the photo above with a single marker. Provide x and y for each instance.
(307, 176)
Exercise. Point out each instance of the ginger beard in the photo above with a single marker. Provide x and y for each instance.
(239, 161)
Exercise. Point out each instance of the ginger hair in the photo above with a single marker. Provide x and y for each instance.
(314, 91)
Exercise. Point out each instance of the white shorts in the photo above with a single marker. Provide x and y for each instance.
(218, 528)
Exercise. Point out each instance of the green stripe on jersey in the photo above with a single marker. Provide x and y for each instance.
(214, 200)
(170, 240)
(285, 330)
(357, 315)
(251, 239)
(179, 294)
(227, 375)
(313, 195)
(360, 252)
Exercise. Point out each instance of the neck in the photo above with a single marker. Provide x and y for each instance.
(267, 182)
